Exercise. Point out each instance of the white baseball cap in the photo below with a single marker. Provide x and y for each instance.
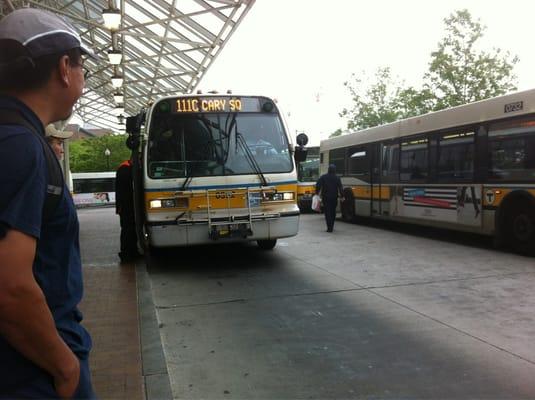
(51, 131)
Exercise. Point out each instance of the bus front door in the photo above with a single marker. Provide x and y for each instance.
(375, 179)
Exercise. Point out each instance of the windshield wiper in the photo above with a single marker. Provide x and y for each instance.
(186, 183)
(249, 156)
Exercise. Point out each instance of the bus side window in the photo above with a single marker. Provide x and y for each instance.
(456, 156)
(358, 163)
(337, 157)
(390, 162)
(512, 151)
(414, 159)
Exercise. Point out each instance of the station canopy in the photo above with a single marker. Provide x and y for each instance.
(160, 47)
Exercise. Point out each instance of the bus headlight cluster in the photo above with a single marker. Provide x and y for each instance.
(169, 203)
(278, 196)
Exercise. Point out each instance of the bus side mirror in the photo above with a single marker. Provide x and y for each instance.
(302, 139)
(300, 154)
(132, 126)
(132, 142)
(134, 123)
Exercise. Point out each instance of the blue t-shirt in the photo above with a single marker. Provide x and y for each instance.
(57, 266)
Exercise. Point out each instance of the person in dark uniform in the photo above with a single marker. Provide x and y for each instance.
(329, 187)
(124, 206)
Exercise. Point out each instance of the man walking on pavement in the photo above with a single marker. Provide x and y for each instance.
(124, 206)
(329, 186)
(44, 349)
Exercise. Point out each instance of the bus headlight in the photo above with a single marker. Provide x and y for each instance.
(155, 204)
(178, 202)
(278, 196)
(168, 203)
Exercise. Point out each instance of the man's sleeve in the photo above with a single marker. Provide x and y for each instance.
(23, 183)
(318, 185)
(118, 194)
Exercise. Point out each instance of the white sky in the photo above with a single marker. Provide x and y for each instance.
(299, 51)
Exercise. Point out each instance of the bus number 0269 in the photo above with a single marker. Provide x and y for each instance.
(224, 195)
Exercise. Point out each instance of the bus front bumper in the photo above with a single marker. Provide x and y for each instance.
(186, 233)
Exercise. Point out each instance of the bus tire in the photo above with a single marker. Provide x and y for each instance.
(519, 226)
(267, 244)
(348, 206)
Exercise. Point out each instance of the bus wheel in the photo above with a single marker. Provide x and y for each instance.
(348, 206)
(267, 244)
(520, 227)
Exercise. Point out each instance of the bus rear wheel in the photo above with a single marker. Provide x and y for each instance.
(348, 206)
(520, 228)
(268, 244)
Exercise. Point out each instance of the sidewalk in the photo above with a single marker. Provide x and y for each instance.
(127, 361)
(110, 311)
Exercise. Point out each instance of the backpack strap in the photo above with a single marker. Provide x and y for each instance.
(55, 181)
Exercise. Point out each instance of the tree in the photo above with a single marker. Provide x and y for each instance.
(337, 132)
(87, 155)
(459, 73)
(383, 101)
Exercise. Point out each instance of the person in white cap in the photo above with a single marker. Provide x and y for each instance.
(56, 138)
(44, 349)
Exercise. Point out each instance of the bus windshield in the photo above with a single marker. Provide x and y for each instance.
(309, 170)
(216, 144)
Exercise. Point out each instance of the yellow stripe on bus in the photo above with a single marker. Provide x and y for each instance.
(198, 201)
(306, 189)
(365, 192)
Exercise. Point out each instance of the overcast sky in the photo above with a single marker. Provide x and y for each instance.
(302, 51)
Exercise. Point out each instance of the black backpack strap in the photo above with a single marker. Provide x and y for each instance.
(55, 181)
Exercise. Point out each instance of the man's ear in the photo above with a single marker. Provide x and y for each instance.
(65, 70)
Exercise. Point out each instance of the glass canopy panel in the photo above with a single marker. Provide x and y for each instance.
(166, 49)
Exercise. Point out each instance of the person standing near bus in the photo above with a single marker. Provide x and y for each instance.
(124, 206)
(329, 186)
(44, 349)
(56, 140)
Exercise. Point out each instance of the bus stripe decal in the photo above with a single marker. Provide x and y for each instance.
(422, 197)
(256, 185)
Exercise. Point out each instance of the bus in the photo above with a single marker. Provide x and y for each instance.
(307, 176)
(213, 169)
(469, 168)
(93, 188)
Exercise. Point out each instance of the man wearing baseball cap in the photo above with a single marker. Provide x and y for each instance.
(44, 349)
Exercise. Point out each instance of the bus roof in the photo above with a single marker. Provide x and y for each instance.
(510, 105)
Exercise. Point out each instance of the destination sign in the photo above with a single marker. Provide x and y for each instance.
(216, 104)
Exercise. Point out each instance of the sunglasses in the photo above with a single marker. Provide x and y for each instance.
(87, 72)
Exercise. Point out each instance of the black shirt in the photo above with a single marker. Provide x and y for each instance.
(329, 186)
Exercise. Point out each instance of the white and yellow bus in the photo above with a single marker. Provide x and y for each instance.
(307, 176)
(470, 168)
(213, 168)
(93, 188)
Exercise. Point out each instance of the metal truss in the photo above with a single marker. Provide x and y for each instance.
(167, 47)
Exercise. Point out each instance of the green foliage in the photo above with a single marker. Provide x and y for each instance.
(383, 101)
(458, 74)
(337, 132)
(88, 155)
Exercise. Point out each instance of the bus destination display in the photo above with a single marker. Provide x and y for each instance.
(216, 104)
